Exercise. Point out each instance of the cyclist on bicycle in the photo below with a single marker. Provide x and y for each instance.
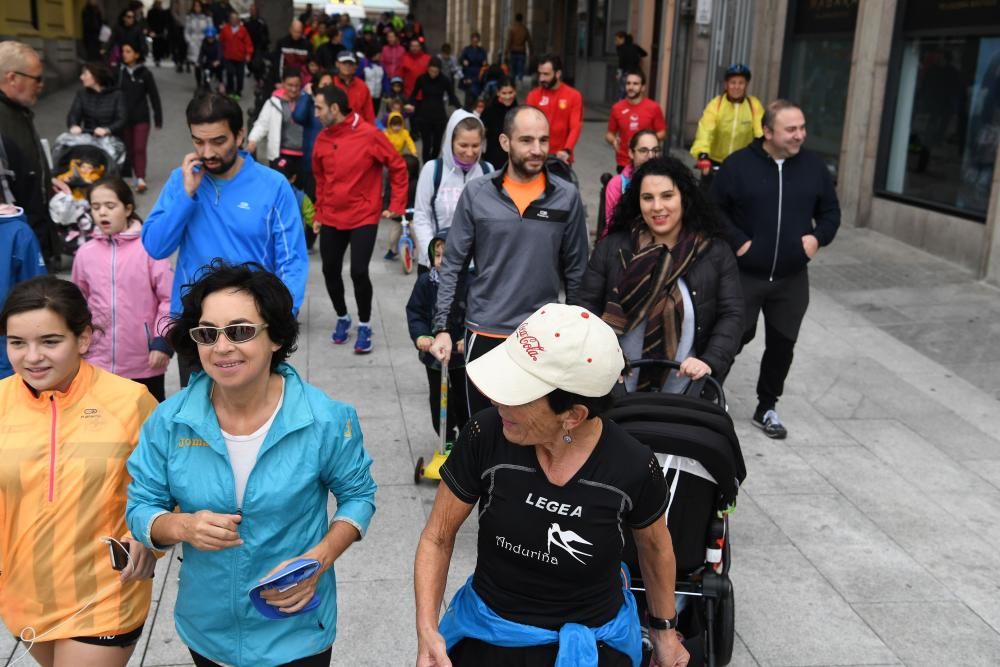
(730, 122)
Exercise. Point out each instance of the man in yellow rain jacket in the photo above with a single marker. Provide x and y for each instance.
(730, 121)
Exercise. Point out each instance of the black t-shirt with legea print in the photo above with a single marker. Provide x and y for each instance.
(549, 555)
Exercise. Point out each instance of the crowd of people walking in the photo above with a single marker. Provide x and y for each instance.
(238, 465)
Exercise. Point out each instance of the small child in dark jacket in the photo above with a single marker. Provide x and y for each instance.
(210, 62)
(420, 315)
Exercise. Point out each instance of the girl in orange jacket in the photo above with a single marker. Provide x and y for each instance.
(67, 429)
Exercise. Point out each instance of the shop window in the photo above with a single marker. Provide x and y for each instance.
(817, 70)
(942, 122)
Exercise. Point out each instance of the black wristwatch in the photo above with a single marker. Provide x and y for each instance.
(662, 623)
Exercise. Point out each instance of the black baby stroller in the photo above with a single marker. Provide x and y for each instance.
(106, 154)
(694, 440)
(80, 160)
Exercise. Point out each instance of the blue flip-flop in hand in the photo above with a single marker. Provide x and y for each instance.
(285, 578)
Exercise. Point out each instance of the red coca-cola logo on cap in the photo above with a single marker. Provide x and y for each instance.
(530, 344)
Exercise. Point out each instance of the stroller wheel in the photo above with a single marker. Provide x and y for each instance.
(725, 626)
(418, 470)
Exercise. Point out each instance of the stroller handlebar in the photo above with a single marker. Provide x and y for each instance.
(694, 388)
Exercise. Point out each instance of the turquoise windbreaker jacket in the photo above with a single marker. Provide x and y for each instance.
(252, 217)
(314, 447)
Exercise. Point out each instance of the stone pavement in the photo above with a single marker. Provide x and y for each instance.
(869, 537)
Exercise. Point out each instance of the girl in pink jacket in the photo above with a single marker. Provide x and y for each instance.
(127, 290)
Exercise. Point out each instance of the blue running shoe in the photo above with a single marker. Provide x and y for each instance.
(364, 343)
(340, 334)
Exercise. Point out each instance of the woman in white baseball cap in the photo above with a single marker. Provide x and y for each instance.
(557, 487)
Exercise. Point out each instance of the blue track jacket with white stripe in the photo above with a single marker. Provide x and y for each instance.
(252, 217)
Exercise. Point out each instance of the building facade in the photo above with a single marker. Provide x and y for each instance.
(902, 99)
(51, 27)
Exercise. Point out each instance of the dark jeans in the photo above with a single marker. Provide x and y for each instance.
(234, 76)
(332, 247)
(784, 302)
(458, 407)
(318, 660)
(517, 62)
(431, 133)
(155, 385)
(476, 346)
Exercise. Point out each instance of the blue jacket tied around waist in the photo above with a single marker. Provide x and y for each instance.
(468, 616)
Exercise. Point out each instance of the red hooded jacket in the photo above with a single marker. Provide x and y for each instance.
(411, 68)
(359, 98)
(236, 45)
(348, 158)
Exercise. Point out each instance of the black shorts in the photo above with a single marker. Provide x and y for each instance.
(123, 640)
(319, 660)
(475, 653)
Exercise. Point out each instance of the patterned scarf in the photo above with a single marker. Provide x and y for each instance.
(648, 293)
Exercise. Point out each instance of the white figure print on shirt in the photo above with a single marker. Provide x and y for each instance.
(565, 539)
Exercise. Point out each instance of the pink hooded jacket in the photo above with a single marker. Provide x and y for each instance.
(129, 295)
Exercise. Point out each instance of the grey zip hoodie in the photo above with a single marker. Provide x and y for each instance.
(453, 181)
(521, 261)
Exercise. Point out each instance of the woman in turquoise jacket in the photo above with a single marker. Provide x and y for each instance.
(249, 454)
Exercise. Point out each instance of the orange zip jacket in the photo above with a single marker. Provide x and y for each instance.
(63, 485)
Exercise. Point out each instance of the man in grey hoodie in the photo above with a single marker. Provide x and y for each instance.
(526, 232)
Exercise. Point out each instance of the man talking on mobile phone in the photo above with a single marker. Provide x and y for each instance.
(221, 203)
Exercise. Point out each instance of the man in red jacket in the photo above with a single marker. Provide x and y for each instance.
(561, 103)
(348, 158)
(359, 97)
(415, 62)
(237, 50)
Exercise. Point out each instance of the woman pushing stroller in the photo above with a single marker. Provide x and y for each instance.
(692, 310)
(557, 487)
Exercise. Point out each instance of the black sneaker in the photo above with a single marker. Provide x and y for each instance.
(770, 423)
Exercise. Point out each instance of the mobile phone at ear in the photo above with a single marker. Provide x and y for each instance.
(119, 555)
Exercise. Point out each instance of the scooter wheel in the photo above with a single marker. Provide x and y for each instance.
(407, 257)
(418, 470)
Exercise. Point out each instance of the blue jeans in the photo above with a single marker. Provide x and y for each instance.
(517, 63)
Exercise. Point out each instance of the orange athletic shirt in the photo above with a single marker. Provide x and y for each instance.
(524, 193)
(63, 487)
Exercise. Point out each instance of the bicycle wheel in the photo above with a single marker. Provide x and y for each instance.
(406, 254)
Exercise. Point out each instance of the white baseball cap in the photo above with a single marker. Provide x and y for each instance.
(558, 347)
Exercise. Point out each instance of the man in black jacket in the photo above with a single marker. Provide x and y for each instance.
(781, 207)
(260, 35)
(292, 51)
(29, 177)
